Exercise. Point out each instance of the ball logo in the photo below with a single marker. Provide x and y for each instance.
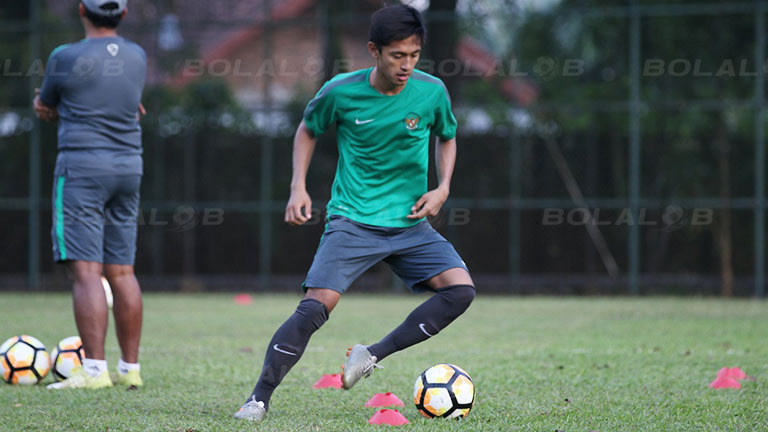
(412, 121)
(84, 67)
(113, 49)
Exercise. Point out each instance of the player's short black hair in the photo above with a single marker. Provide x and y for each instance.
(103, 21)
(394, 23)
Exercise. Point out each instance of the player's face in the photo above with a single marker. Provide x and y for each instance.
(397, 60)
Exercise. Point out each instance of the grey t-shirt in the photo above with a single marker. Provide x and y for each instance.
(96, 85)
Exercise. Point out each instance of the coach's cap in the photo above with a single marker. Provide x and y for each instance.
(106, 8)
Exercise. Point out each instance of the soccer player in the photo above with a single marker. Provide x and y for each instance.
(384, 116)
(93, 87)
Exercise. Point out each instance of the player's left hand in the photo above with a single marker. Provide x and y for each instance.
(429, 204)
(44, 112)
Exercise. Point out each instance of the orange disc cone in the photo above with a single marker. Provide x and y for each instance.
(388, 417)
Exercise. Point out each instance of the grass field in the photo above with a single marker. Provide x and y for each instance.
(539, 364)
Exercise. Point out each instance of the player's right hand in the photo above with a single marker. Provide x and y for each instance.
(142, 111)
(299, 208)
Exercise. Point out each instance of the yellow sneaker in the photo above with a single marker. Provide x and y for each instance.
(130, 379)
(81, 379)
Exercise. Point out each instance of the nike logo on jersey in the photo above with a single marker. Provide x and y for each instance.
(422, 327)
(362, 122)
(275, 347)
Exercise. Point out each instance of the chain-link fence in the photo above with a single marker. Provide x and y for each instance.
(604, 146)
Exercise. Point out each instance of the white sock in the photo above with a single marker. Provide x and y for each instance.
(93, 367)
(124, 367)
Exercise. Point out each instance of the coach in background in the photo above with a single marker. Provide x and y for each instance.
(93, 88)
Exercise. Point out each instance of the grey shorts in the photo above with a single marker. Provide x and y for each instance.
(348, 248)
(95, 218)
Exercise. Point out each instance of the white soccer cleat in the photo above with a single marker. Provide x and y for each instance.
(252, 410)
(360, 363)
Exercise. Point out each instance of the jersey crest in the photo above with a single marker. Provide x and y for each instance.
(412, 121)
(113, 49)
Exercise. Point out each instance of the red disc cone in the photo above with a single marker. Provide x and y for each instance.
(388, 417)
(384, 399)
(734, 372)
(737, 373)
(328, 381)
(724, 382)
(243, 299)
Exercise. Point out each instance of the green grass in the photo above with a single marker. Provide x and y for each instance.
(539, 364)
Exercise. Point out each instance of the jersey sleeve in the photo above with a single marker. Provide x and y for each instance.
(445, 123)
(50, 90)
(320, 113)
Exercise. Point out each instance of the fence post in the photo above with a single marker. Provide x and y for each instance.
(759, 152)
(157, 235)
(515, 193)
(265, 195)
(634, 148)
(33, 202)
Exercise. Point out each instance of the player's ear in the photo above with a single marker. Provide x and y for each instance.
(122, 15)
(373, 50)
(81, 10)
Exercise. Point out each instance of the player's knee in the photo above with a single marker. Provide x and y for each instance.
(113, 271)
(313, 311)
(460, 296)
(329, 298)
(80, 271)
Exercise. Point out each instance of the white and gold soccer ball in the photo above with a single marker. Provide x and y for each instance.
(67, 357)
(24, 360)
(444, 390)
(107, 291)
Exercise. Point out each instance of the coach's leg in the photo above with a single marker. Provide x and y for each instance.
(454, 293)
(90, 305)
(127, 309)
(290, 340)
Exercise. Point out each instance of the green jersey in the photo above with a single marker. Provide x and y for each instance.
(383, 143)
